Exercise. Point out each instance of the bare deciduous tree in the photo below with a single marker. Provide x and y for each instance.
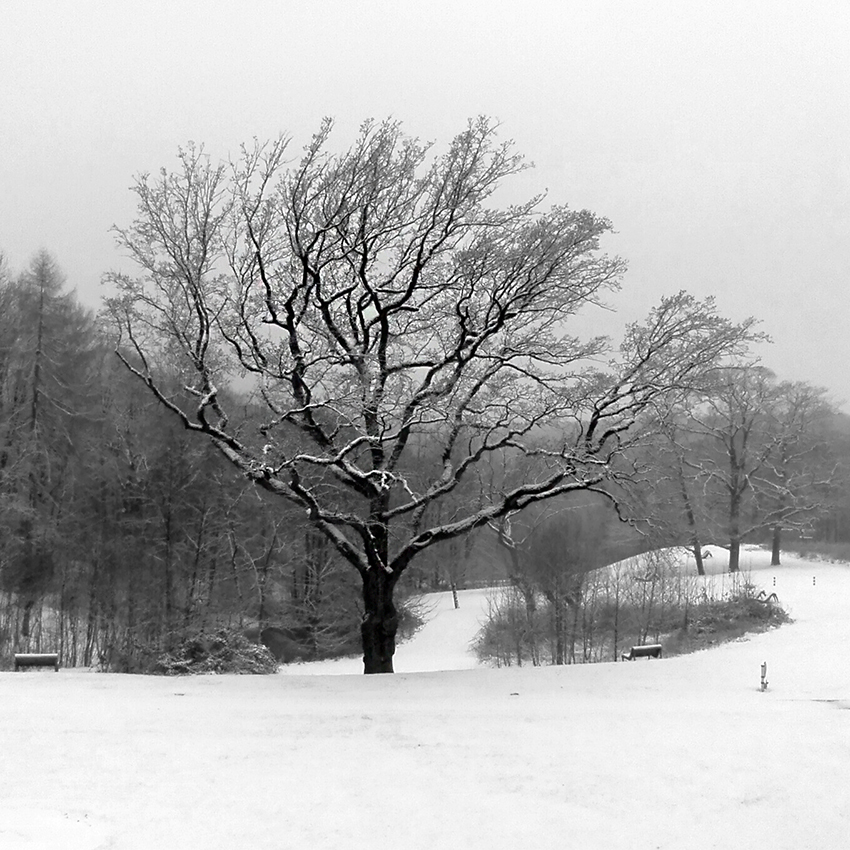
(377, 298)
(756, 451)
(797, 483)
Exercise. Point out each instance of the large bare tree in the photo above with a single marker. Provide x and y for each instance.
(378, 299)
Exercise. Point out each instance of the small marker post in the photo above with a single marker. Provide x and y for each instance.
(764, 676)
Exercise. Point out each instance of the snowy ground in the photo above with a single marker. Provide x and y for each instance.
(679, 754)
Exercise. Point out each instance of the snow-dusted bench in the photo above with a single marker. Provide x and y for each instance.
(649, 650)
(37, 659)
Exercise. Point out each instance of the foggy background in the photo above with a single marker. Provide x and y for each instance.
(715, 135)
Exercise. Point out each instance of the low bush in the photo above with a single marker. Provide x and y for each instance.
(412, 615)
(513, 633)
(649, 600)
(224, 651)
(723, 620)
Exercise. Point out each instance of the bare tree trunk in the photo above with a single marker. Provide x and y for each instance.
(132, 619)
(571, 658)
(734, 554)
(776, 546)
(380, 621)
(737, 487)
(64, 614)
(211, 578)
(25, 622)
(558, 622)
(168, 585)
(697, 550)
(199, 544)
(262, 581)
(616, 623)
(234, 569)
(696, 546)
(734, 530)
(93, 604)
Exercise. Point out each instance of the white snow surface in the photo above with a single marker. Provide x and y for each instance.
(679, 754)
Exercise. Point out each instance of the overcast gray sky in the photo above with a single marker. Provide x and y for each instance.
(715, 135)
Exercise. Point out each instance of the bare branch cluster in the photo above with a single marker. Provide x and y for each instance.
(377, 300)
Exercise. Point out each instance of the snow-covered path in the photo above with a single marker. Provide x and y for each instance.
(679, 754)
(443, 643)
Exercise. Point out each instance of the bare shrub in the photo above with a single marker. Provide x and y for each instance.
(514, 631)
(224, 651)
(646, 599)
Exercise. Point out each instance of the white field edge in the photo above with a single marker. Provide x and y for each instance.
(677, 754)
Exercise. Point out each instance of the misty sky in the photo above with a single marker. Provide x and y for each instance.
(715, 135)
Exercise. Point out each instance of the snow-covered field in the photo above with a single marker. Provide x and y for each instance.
(684, 753)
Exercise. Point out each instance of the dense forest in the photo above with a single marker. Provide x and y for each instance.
(120, 532)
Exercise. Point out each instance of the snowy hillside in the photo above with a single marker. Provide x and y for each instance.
(676, 754)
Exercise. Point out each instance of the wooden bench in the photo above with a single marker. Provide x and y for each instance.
(650, 650)
(37, 659)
